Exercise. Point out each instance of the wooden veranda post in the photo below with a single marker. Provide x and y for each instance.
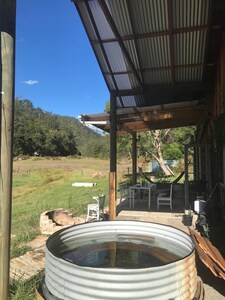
(134, 158)
(112, 174)
(7, 70)
(186, 187)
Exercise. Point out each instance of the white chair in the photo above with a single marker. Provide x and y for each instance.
(95, 211)
(164, 199)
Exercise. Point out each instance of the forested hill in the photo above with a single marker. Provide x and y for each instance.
(37, 132)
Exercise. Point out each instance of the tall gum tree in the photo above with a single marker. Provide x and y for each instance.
(152, 145)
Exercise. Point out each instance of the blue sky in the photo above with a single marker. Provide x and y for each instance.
(55, 66)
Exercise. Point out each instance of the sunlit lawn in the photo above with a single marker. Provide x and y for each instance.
(38, 190)
(45, 184)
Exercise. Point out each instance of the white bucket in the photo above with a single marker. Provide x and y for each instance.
(199, 205)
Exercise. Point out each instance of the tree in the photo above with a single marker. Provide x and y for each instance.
(43, 133)
(166, 144)
(152, 145)
(124, 145)
(157, 144)
(97, 148)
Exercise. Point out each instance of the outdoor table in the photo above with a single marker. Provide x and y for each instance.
(138, 187)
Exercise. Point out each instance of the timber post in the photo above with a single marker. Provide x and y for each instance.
(186, 187)
(112, 174)
(134, 158)
(7, 70)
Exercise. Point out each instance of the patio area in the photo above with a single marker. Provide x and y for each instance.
(141, 200)
(213, 286)
(168, 218)
(164, 215)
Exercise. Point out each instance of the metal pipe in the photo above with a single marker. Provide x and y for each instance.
(7, 63)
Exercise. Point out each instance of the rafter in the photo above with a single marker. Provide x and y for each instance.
(112, 25)
(171, 44)
(157, 34)
(160, 69)
(164, 89)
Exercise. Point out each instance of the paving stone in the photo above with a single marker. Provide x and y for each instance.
(29, 264)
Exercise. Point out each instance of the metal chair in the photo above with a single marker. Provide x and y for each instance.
(164, 199)
(95, 211)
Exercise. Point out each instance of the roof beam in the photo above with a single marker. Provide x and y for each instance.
(162, 124)
(157, 34)
(95, 29)
(100, 43)
(162, 69)
(128, 130)
(135, 41)
(99, 38)
(207, 39)
(171, 44)
(163, 90)
(162, 116)
(209, 32)
(112, 25)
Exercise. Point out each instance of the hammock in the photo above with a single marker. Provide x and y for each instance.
(176, 180)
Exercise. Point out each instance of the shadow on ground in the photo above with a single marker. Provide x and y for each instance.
(208, 278)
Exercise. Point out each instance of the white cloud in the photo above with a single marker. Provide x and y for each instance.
(86, 95)
(31, 82)
(21, 40)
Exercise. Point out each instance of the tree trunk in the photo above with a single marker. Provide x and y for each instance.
(157, 139)
(163, 167)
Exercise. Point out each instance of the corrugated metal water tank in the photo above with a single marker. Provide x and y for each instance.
(174, 280)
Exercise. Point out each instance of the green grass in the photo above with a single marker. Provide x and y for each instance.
(52, 190)
(24, 290)
(37, 189)
(17, 249)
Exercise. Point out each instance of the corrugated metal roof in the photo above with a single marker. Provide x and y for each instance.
(188, 48)
(158, 78)
(120, 12)
(154, 51)
(190, 13)
(116, 58)
(189, 75)
(152, 16)
(100, 20)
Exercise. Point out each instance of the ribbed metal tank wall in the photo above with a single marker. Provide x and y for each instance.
(65, 280)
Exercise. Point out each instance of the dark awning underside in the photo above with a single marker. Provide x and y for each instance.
(155, 52)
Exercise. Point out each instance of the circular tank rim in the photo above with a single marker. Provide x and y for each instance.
(58, 233)
(68, 281)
